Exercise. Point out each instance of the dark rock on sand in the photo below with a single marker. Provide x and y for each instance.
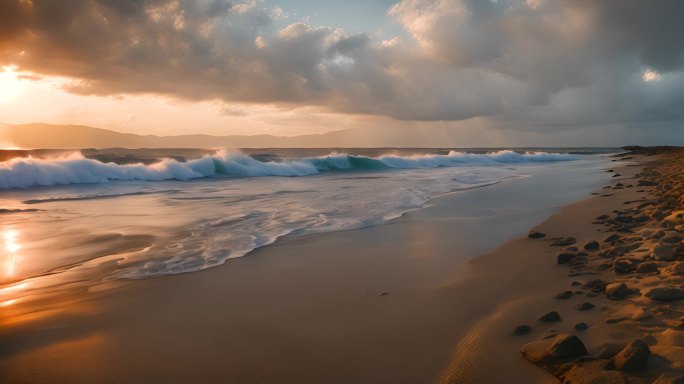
(618, 291)
(671, 238)
(551, 351)
(596, 285)
(563, 241)
(647, 267)
(633, 358)
(666, 294)
(550, 317)
(666, 252)
(522, 330)
(612, 238)
(591, 246)
(564, 295)
(622, 266)
(585, 306)
(536, 235)
(581, 326)
(564, 258)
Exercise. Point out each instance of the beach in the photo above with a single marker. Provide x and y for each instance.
(404, 302)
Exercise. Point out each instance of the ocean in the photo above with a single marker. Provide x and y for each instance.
(100, 215)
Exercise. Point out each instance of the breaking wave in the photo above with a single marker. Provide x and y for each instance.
(26, 172)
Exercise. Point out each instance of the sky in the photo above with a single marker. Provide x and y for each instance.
(506, 72)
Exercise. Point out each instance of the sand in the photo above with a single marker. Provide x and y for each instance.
(641, 206)
(346, 308)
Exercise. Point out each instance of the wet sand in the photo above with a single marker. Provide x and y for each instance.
(393, 303)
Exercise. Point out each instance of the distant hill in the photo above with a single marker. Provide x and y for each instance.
(79, 136)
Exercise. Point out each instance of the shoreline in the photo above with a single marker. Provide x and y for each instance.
(626, 333)
(346, 331)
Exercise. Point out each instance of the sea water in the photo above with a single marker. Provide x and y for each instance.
(131, 214)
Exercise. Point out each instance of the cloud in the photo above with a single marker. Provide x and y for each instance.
(542, 64)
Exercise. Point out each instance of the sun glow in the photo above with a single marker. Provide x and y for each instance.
(11, 249)
(11, 86)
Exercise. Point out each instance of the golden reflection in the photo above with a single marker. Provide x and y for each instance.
(11, 248)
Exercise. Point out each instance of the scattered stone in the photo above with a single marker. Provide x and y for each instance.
(647, 267)
(596, 285)
(618, 291)
(563, 241)
(616, 319)
(666, 252)
(612, 238)
(634, 358)
(671, 238)
(536, 235)
(564, 295)
(557, 349)
(666, 294)
(522, 330)
(622, 266)
(384, 294)
(591, 246)
(585, 306)
(550, 317)
(565, 258)
(581, 326)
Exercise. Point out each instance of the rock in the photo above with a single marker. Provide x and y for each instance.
(634, 358)
(550, 317)
(581, 326)
(536, 235)
(647, 267)
(591, 246)
(564, 295)
(522, 330)
(666, 294)
(596, 285)
(550, 351)
(622, 266)
(563, 241)
(612, 238)
(618, 291)
(666, 252)
(585, 306)
(671, 238)
(564, 258)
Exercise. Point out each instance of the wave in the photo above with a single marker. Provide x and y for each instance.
(26, 172)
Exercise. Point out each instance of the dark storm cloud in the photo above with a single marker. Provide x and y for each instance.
(557, 63)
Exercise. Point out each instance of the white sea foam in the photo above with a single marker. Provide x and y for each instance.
(26, 172)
